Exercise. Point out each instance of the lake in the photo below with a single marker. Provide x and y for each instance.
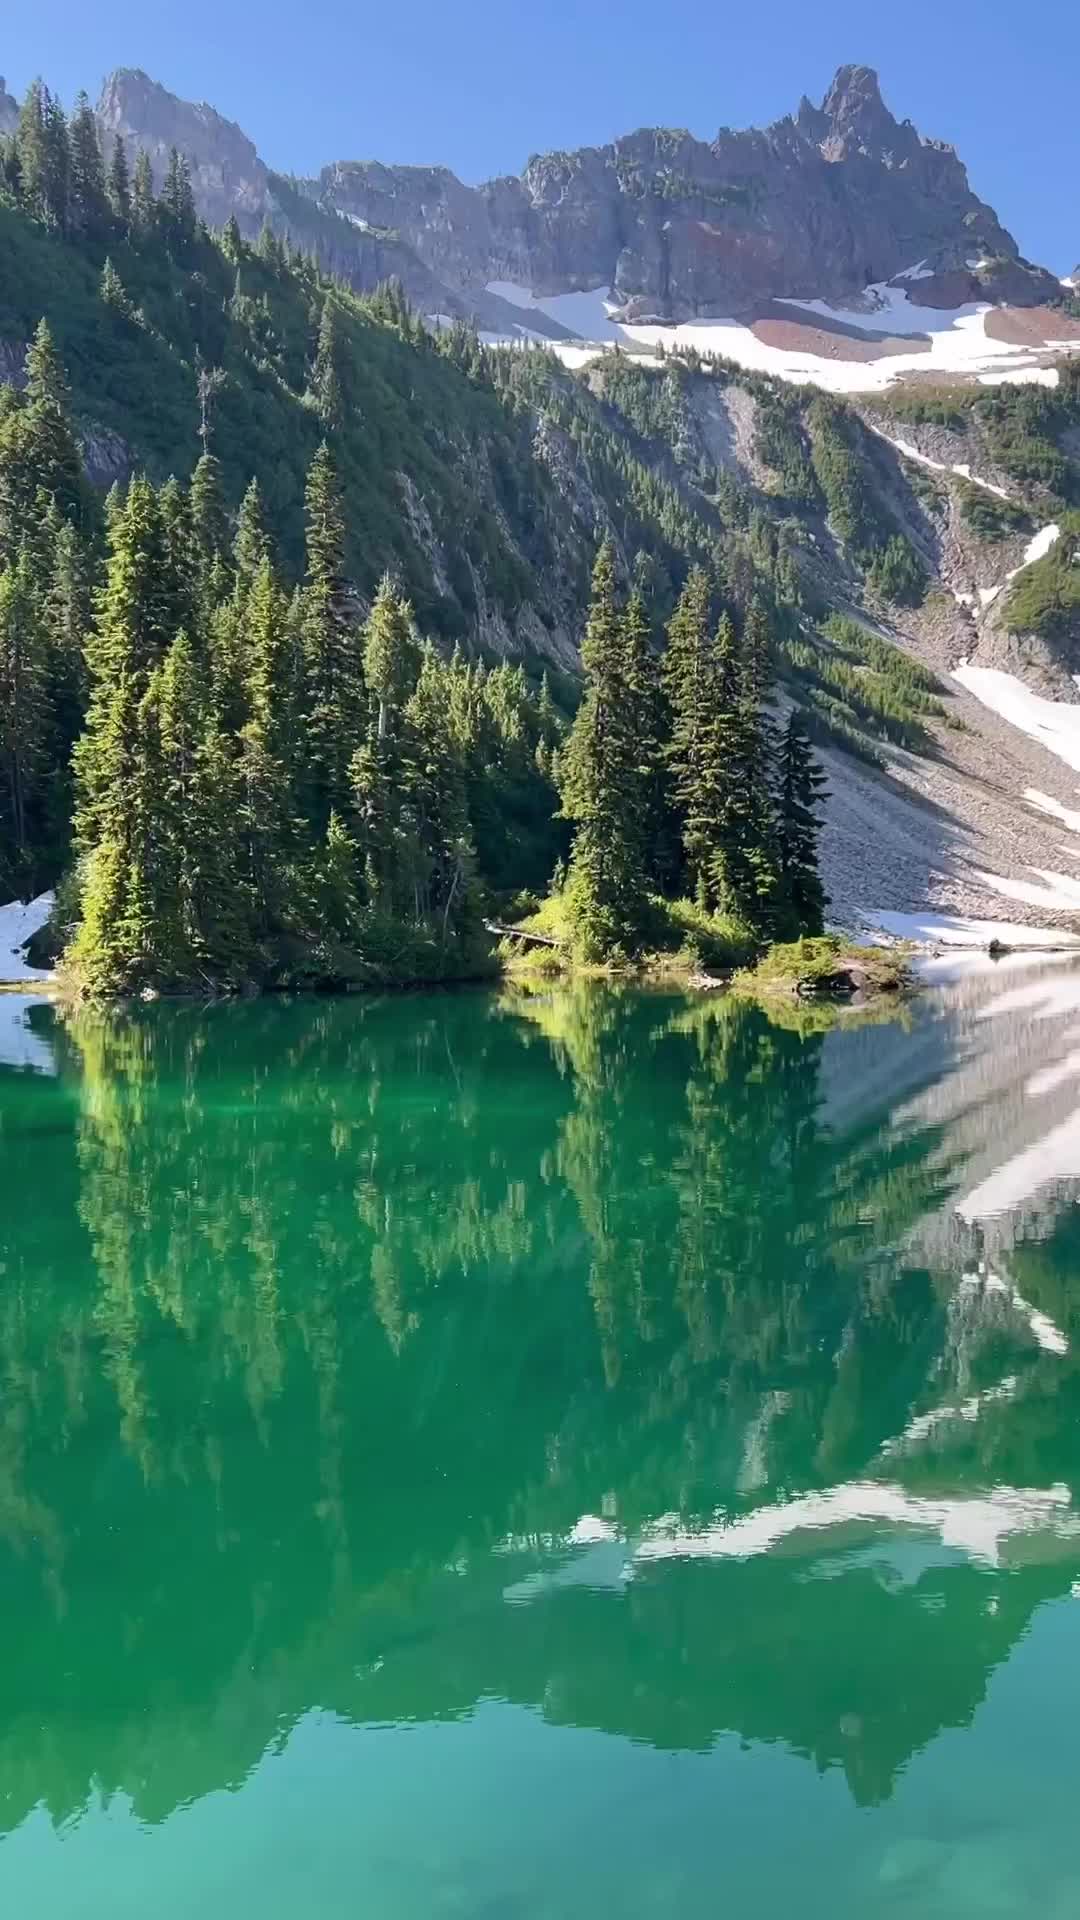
(531, 1455)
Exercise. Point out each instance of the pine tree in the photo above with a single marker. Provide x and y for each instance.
(801, 793)
(602, 790)
(209, 531)
(23, 722)
(232, 245)
(689, 683)
(178, 203)
(119, 188)
(39, 455)
(336, 700)
(112, 291)
(136, 623)
(325, 386)
(448, 895)
(144, 207)
(44, 158)
(391, 656)
(741, 869)
(65, 603)
(251, 545)
(182, 557)
(270, 832)
(88, 203)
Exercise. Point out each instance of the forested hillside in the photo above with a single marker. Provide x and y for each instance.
(293, 590)
(230, 716)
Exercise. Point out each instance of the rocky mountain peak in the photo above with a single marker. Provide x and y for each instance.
(820, 205)
(227, 174)
(9, 109)
(854, 100)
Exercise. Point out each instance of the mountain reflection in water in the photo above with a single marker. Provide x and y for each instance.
(631, 1364)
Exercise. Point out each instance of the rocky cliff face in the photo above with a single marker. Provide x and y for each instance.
(818, 206)
(9, 109)
(226, 173)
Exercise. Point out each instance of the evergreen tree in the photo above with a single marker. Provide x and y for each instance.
(251, 545)
(447, 893)
(232, 245)
(39, 455)
(144, 206)
(136, 623)
(270, 828)
(88, 202)
(41, 141)
(112, 291)
(178, 203)
(801, 793)
(209, 533)
(23, 723)
(336, 698)
(119, 187)
(741, 871)
(325, 386)
(602, 788)
(391, 656)
(689, 683)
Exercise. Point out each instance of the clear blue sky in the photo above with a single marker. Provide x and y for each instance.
(480, 88)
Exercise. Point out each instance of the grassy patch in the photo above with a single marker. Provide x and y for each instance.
(986, 514)
(1045, 597)
(681, 939)
(862, 689)
(815, 961)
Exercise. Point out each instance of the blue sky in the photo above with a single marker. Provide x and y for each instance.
(481, 88)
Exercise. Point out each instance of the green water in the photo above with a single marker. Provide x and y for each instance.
(540, 1457)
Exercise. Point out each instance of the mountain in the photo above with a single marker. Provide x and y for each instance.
(818, 206)
(9, 109)
(900, 537)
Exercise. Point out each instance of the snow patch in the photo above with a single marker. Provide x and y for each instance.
(954, 930)
(587, 313)
(1037, 549)
(1055, 724)
(1022, 377)
(19, 921)
(1068, 816)
(960, 467)
(951, 341)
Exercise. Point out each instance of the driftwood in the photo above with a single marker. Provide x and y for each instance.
(521, 933)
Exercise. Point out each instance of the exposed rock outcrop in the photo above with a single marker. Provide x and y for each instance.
(819, 205)
(9, 109)
(226, 173)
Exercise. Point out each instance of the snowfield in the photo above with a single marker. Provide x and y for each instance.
(950, 341)
(19, 920)
(1055, 724)
(954, 930)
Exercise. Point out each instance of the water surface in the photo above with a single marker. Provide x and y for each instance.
(535, 1456)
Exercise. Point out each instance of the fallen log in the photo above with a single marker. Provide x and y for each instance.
(521, 933)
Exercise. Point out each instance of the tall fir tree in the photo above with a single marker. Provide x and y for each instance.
(325, 386)
(119, 184)
(607, 893)
(336, 696)
(23, 725)
(144, 206)
(801, 795)
(88, 212)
